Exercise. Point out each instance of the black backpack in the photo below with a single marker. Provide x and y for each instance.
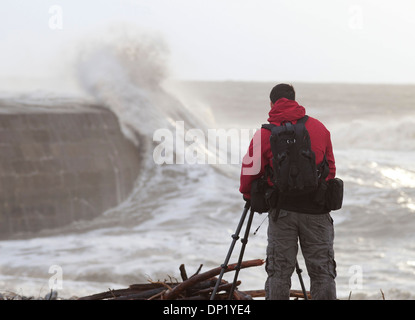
(294, 171)
(294, 166)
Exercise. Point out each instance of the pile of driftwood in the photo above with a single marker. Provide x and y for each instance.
(197, 287)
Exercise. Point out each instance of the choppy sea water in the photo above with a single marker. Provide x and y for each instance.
(186, 213)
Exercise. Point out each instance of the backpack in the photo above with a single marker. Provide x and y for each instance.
(294, 167)
(294, 171)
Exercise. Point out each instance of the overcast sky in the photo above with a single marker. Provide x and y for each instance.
(264, 40)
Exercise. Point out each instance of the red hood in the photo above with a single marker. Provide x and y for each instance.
(285, 110)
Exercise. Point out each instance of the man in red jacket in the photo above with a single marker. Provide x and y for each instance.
(300, 217)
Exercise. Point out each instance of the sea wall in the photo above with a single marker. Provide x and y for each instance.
(59, 163)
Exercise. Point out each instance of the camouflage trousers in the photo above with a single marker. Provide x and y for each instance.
(315, 233)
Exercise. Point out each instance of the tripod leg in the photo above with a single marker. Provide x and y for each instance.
(235, 238)
(297, 268)
(244, 242)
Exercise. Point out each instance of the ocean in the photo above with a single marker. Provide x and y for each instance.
(185, 209)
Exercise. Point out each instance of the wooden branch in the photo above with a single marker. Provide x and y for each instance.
(172, 294)
(146, 286)
(183, 272)
(197, 271)
(160, 294)
(108, 294)
(133, 289)
(241, 295)
(224, 286)
(222, 296)
(299, 294)
(256, 293)
(261, 293)
(164, 284)
(197, 287)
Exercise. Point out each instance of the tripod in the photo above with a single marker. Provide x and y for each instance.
(235, 238)
(244, 241)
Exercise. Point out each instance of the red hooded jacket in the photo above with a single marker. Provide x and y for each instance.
(255, 160)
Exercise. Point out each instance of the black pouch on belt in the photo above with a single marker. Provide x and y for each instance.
(334, 194)
(259, 202)
(320, 195)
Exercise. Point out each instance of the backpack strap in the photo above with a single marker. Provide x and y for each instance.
(268, 170)
(323, 169)
(268, 126)
(303, 119)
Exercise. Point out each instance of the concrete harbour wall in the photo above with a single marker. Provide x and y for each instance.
(60, 163)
